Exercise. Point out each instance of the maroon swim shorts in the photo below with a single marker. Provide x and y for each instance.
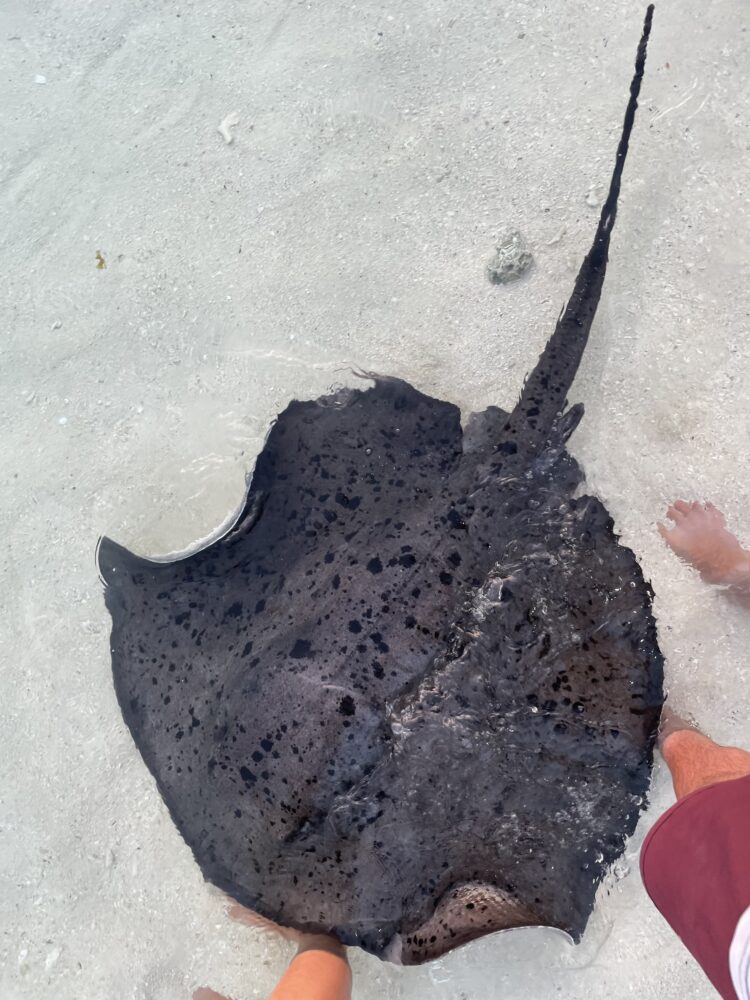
(695, 864)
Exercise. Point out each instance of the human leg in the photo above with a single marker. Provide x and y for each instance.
(695, 761)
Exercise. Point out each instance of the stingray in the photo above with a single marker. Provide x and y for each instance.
(410, 696)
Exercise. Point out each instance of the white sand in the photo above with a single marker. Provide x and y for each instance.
(379, 154)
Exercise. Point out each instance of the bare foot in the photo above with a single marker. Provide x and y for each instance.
(670, 723)
(701, 538)
(304, 942)
(250, 918)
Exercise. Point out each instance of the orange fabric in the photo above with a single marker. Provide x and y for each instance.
(696, 761)
(315, 975)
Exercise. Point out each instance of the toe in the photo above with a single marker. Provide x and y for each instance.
(716, 513)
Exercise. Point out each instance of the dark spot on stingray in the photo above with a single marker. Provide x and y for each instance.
(502, 702)
(380, 644)
(455, 519)
(354, 626)
(349, 503)
(300, 649)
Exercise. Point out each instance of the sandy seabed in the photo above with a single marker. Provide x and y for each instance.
(164, 293)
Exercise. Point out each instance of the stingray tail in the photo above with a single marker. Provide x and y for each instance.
(544, 395)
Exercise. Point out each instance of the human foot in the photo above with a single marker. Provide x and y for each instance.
(700, 537)
(670, 723)
(250, 918)
(304, 942)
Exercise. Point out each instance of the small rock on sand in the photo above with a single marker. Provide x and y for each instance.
(511, 260)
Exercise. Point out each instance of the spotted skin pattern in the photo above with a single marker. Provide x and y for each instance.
(411, 696)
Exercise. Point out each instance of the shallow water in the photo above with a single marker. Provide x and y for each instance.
(379, 157)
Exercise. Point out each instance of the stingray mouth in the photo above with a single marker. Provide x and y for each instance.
(464, 913)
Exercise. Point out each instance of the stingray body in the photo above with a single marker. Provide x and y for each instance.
(410, 697)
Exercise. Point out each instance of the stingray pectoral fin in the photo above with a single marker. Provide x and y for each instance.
(247, 518)
(120, 568)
